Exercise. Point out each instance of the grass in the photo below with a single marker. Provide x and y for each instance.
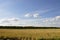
(39, 34)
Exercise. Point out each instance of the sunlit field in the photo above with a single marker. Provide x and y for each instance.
(35, 34)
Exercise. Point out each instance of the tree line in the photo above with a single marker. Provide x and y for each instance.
(27, 27)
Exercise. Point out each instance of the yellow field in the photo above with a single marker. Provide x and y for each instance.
(34, 33)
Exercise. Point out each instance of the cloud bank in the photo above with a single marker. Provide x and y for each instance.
(46, 22)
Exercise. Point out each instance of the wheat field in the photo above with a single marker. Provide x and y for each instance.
(34, 33)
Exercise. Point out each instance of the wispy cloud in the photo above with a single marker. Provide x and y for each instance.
(37, 13)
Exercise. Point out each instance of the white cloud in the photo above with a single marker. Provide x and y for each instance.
(36, 15)
(57, 17)
(27, 15)
(55, 21)
(31, 22)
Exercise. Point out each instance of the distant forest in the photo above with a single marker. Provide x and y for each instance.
(27, 27)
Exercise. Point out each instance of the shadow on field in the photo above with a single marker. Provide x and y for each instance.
(16, 38)
(49, 39)
(24, 38)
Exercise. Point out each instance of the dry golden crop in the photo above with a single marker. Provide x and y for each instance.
(34, 33)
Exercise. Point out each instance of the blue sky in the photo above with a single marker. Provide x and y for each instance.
(31, 10)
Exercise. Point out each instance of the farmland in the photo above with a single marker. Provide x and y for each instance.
(31, 33)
